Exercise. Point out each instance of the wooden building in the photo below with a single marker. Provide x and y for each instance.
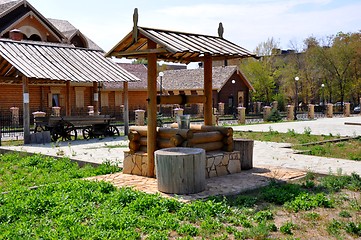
(64, 67)
(48, 65)
(229, 85)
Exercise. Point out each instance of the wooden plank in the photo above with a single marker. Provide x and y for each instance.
(11, 55)
(352, 123)
(208, 90)
(57, 69)
(43, 66)
(181, 99)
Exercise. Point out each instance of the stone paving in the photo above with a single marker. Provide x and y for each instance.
(271, 161)
(218, 186)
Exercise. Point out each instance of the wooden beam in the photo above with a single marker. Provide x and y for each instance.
(95, 98)
(181, 99)
(208, 90)
(141, 52)
(126, 108)
(68, 99)
(152, 108)
(26, 109)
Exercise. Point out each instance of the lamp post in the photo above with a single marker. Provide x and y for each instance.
(161, 74)
(296, 99)
(234, 98)
(323, 96)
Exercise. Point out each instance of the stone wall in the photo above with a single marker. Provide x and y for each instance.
(217, 163)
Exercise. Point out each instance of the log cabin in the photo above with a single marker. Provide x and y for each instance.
(230, 86)
(64, 67)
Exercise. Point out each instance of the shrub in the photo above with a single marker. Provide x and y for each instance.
(274, 116)
(306, 201)
(287, 228)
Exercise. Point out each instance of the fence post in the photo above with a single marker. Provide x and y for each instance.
(329, 110)
(14, 116)
(266, 112)
(290, 109)
(311, 111)
(346, 110)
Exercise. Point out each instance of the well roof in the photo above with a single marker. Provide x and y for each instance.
(175, 46)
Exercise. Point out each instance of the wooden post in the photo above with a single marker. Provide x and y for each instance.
(26, 109)
(68, 99)
(152, 108)
(181, 170)
(126, 108)
(245, 146)
(95, 98)
(208, 90)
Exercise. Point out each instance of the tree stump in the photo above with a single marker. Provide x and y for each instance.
(245, 146)
(181, 170)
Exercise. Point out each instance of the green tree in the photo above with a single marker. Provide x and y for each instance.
(261, 72)
(337, 60)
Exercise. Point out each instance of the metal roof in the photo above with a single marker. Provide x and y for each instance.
(177, 46)
(39, 60)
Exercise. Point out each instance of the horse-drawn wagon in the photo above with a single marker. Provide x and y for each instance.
(65, 128)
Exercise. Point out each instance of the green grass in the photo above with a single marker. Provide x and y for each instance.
(289, 137)
(79, 209)
(350, 149)
(27, 171)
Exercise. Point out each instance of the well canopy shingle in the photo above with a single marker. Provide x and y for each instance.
(39, 60)
(175, 46)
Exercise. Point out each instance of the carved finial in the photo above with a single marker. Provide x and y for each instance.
(135, 27)
(220, 30)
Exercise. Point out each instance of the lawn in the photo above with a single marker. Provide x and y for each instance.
(350, 149)
(70, 208)
(28, 171)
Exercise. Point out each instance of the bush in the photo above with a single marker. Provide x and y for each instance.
(274, 116)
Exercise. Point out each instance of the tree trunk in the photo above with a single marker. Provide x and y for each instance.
(181, 170)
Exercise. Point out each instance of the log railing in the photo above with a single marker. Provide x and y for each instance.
(209, 138)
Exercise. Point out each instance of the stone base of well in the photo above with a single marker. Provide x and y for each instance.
(218, 163)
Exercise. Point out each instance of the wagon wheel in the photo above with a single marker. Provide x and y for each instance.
(55, 134)
(112, 131)
(88, 132)
(39, 128)
(69, 131)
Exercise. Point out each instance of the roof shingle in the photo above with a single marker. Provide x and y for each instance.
(193, 79)
(53, 62)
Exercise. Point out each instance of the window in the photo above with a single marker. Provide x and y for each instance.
(230, 102)
(55, 100)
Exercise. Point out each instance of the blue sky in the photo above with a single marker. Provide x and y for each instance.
(246, 22)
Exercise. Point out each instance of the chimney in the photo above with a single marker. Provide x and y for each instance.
(16, 35)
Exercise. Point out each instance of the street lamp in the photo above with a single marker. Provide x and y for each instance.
(296, 99)
(234, 98)
(323, 96)
(161, 74)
